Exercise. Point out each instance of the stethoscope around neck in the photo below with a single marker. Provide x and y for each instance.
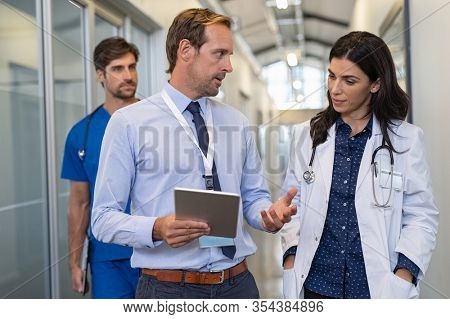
(309, 176)
(82, 150)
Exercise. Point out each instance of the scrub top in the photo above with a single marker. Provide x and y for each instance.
(76, 169)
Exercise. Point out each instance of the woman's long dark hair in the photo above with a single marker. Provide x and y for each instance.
(373, 57)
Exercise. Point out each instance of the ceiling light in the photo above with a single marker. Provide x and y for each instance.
(297, 84)
(292, 59)
(282, 4)
(300, 98)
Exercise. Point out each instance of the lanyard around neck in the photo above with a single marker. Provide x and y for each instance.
(209, 159)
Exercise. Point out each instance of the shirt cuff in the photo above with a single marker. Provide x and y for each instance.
(291, 251)
(405, 262)
(144, 229)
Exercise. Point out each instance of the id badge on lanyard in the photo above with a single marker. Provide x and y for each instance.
(209, 158)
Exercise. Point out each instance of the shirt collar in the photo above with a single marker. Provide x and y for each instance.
(340, 122)
(182, 101)
(370, 125)
(103, 112)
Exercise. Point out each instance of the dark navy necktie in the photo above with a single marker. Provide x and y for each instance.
(203, 141)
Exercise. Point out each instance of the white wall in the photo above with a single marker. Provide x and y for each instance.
(368, 14)
(163, 11)
(430, 52)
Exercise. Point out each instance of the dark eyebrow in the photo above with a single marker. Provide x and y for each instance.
(346, 76)
(222, 50)
(350, 77)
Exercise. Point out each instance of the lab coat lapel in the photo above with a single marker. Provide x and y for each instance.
(325, 159)
(366, 160)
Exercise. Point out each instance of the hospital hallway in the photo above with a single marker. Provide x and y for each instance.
(281, 68)
(265, 265)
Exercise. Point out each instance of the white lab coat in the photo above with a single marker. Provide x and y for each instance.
(408, 226)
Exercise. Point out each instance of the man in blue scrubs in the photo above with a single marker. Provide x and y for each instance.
(112, 276)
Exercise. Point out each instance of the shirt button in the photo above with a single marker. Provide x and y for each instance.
(345, 182)
(303, 276)
(348, 159)
(345, 204)
(316, 239)
(352, 138)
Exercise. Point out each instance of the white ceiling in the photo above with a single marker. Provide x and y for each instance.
(309, 26)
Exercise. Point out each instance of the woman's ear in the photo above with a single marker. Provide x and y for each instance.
(375, 86)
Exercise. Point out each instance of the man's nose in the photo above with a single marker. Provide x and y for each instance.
(228, 67)
(127, 73)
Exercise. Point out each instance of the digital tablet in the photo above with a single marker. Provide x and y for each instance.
(219, 209)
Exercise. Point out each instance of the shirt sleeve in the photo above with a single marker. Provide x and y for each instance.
(115, 177)
(291, 251)
(72, 165)
(405, 262)
(254, 190)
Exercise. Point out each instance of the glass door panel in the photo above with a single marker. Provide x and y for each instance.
(70, 106)
(24, 242)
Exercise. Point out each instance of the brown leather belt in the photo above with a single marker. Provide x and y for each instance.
(195, 277)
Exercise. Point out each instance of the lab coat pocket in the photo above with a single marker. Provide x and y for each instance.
(390, 184)
(387, 182)
(398, 288)
(289, 284)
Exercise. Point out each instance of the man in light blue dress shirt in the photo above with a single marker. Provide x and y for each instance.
(146, 152)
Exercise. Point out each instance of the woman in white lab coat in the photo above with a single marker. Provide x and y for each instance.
(366, 223)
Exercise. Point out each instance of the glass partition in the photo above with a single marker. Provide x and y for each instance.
(25, 156)
(141, 39)
(24, 242)
(103, 29)
(70, 105)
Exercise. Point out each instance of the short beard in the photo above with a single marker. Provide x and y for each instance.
(124, 96)
(207, 90)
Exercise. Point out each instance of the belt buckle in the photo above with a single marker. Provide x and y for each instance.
(222, 276)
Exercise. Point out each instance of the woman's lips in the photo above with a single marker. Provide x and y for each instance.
(337, 102)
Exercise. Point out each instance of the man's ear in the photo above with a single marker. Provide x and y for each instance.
(100, 75)
(375, 86)
(185, 50)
